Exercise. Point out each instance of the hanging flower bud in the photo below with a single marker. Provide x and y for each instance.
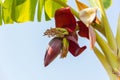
(53, 50)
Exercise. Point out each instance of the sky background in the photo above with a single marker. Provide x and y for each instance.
(23, 46)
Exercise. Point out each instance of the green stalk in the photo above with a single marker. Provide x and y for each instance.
(118, 36)
(105, 63)
(108, 32)
(112, 59)
(99, 27)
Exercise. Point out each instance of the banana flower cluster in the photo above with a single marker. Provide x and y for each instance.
(66, 33)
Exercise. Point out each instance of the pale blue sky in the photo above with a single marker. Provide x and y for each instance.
(23, 46)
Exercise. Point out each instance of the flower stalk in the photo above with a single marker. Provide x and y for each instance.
(109, 35)
(104, 62)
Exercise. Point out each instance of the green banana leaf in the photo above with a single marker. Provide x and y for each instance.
(24, 10)
(7, 11)
(40, 9)
(51, 7)
(0, 14)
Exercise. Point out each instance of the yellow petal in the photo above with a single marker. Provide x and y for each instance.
(88, 15)
(80, 5)
(65, 47)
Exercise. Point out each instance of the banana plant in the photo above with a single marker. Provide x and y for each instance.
(69, 25)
